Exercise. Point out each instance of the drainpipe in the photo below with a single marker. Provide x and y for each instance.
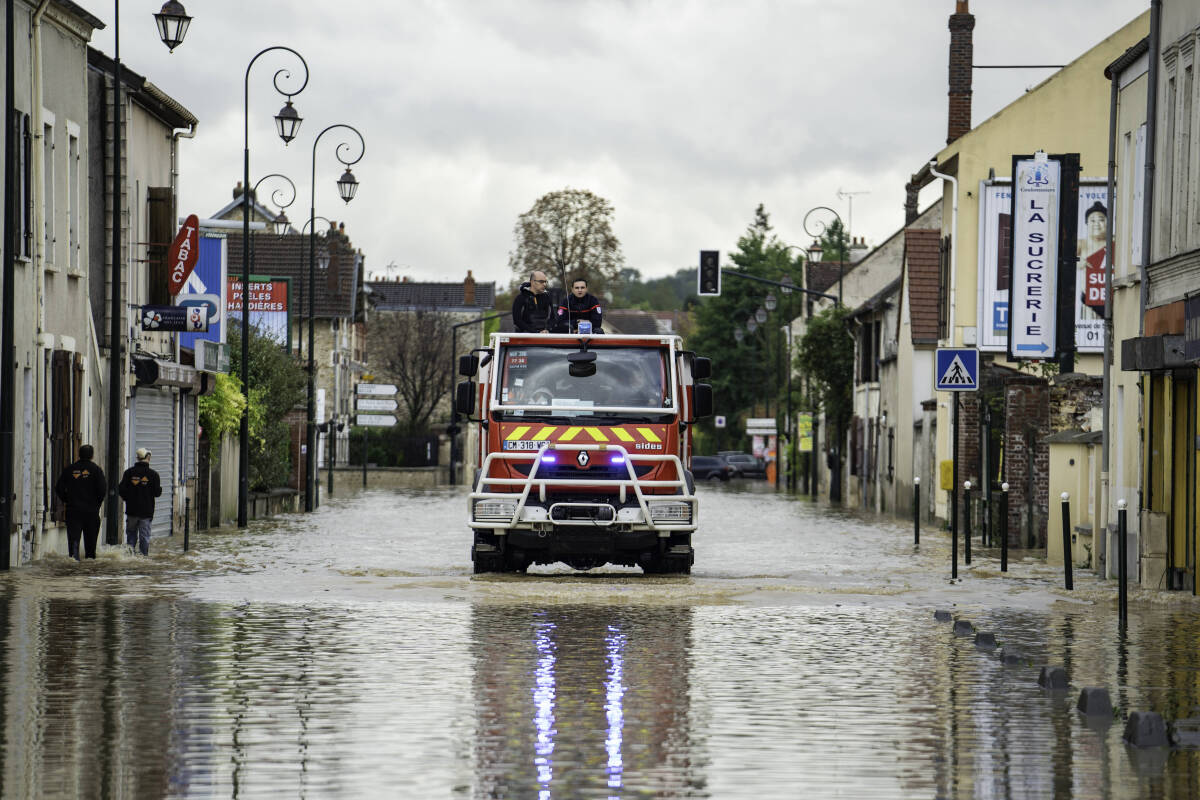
(38, 239)
(1151, 126)
(953, 288)
(1108, 308)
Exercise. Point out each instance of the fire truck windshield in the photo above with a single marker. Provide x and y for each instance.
(535, 382)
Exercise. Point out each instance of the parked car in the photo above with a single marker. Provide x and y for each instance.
(746, 465)
(715, 468)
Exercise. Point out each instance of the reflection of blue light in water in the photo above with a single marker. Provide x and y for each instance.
(543, 709)
(614, 692)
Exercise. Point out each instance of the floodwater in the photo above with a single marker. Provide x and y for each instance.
(351, 653)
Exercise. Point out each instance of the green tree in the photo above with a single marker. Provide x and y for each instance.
(826, 355)
(835, 245)
(568, 234)
(277, 385)
(751, 371)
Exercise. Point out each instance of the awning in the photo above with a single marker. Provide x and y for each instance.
(157, 372)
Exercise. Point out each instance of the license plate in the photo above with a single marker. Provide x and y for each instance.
(524, 444)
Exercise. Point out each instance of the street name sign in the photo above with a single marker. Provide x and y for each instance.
(374, 403)
(377, 389)
(374, 420)
(1033, 278)
(957, 369)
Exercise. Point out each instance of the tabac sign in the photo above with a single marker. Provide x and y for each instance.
(184, 252)
(1041, 285)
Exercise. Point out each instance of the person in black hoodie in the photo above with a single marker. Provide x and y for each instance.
(81, 488)
(533, 307)
(139, 486)
(579, 305)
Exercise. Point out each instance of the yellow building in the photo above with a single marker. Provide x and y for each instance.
(1066, 113)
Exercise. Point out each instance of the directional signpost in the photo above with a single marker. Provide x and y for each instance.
(956, 369)
(373, 398)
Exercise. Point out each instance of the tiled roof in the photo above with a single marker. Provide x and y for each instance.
(633, 321)
(412, 296)
(287, 257)
(921, 263)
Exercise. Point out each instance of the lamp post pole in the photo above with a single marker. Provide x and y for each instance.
(818, 230)
(172, 22)
(300, 303)
(347, 187)
(287, 124)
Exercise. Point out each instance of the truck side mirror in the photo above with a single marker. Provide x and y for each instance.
(702, 400)
(701, 368)
(468, 365)
(464, 398)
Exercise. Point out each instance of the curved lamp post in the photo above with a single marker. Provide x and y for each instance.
(287, 124)
(347, 188)
(818, 230)
(172, 22)
(279, 225)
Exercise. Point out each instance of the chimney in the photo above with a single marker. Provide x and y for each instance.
(237, 191)
(962, 56)
(469, 290)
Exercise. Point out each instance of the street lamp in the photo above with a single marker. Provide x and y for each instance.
(760, 315)
(279, 226)
(739, 334)
(287, 122)
(752, 325)
(821, 227)
(173, 23)
(770, 302)
(347, 187)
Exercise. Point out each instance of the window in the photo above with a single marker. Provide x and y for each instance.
(161, 232)
(48, 190)
(65, 399)
(944, 298)
(73, 196)
(24, 219)
(625, 377)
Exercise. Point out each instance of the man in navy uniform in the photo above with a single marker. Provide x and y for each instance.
(81, 488)
(580, 306)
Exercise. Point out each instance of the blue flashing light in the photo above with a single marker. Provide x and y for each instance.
(618, 459)
(548, 458)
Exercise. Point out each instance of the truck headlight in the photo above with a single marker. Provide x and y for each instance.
(494, 510)
(672, 511)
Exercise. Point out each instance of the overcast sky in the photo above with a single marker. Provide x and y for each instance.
(686, 115)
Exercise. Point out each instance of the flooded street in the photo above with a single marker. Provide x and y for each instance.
(351, 653)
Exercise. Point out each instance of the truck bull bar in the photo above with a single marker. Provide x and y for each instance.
(664, 513)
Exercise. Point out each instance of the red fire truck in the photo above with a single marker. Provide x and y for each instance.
(585, 445)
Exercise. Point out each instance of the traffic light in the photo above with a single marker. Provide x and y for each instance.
(708, 279)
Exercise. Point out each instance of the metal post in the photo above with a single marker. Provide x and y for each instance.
(1123, 555)
(917, 509)
(331, 451)
(366, 430)
(1066, 537)
(7, 329)
(453, 429)
(187, 522)
(116, 393)
(954, 490)
(1004, 531)
(967, 522)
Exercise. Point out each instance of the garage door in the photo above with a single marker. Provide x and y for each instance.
(154, 429)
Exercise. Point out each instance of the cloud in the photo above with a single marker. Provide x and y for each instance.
(685, 114)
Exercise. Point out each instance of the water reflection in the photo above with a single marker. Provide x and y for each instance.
(584, 701)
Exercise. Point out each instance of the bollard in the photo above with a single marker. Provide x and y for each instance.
(917, 510)
(1123, 560)
(187, 521)
(1004, 531)
(967, 523)
(1066, 526)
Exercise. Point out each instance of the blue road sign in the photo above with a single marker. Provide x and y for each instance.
(957, 369)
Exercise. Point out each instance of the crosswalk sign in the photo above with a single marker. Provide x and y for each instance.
(957, 369)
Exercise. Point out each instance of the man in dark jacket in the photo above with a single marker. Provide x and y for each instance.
(139, 486)
(580, 306)
(533, 307)
(81, 488)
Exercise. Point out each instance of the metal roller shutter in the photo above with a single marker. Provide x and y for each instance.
(154, 429)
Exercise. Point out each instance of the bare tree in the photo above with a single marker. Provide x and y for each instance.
(568, 234)
(413, 349)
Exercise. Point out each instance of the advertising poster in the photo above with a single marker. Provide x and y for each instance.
(1033, 274)
(995, 228)
(269, 306)
(206, 286)
(804, 432)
